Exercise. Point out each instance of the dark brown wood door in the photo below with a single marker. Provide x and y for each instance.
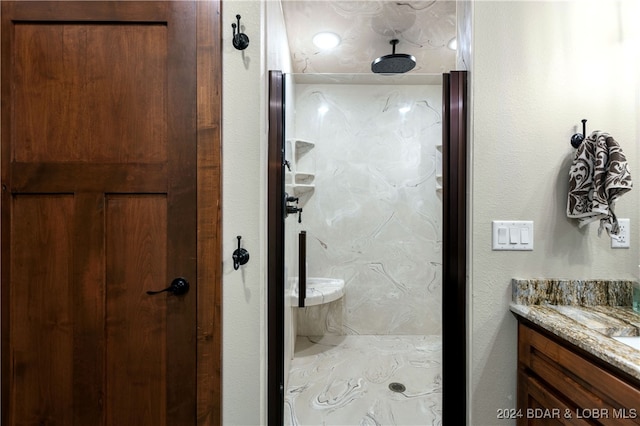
(99, 156)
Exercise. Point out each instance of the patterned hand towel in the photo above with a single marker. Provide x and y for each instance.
(598, 176)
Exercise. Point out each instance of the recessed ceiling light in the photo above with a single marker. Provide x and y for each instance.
(453, 44)
(326, 40)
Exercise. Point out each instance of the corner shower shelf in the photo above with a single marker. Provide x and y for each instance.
(304, 178)
(299, 182)
(299, 189)
(302, 146)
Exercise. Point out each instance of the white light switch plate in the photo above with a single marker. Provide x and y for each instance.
(512, 235)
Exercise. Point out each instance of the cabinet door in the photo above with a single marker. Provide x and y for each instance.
(557, 377)
(539, 406)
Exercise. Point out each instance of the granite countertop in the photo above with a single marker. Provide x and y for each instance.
(585, 313)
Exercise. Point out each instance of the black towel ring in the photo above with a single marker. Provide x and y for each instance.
(577, 138)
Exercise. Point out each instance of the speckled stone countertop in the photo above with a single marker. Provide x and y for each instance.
(585, 313)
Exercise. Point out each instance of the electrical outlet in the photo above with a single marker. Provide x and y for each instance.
(622, 240)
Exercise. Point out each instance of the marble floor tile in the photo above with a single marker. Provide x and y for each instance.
(344, 381)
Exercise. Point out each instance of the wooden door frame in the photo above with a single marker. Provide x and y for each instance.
(454, 247)
(275, 244)
(454, 259)
(209, 176)
(209, 208)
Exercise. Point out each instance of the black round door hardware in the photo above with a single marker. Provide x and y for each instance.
(240, 40)
(240, 256)
(179, 286)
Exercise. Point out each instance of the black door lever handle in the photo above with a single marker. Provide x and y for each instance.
(179, 286)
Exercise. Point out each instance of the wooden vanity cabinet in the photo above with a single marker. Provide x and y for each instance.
(559, 384)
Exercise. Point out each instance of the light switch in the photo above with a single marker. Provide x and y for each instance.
(502, 235)
(512, 235)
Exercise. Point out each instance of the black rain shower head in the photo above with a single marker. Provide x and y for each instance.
(396, 63)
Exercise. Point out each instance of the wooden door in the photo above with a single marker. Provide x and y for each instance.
(99, 206)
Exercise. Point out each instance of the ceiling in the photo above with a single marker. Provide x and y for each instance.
(366, 27)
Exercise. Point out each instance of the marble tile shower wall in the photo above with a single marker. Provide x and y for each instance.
(374, 218)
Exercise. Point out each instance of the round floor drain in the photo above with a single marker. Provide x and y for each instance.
(397, 387)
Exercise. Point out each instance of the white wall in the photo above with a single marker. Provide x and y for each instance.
(243, 164)
(244, 148)
(537, 69)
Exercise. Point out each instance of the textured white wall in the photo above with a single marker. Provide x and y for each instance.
(243, 147)
(537, 69)
(375, 217)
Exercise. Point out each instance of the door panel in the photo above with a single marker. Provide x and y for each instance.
(41, 290)
(99, 184)
(86, 92)
(136, 236)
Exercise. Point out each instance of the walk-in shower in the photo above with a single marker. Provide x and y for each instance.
(364, 156)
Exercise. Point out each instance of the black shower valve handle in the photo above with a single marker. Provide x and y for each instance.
(290, 209)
